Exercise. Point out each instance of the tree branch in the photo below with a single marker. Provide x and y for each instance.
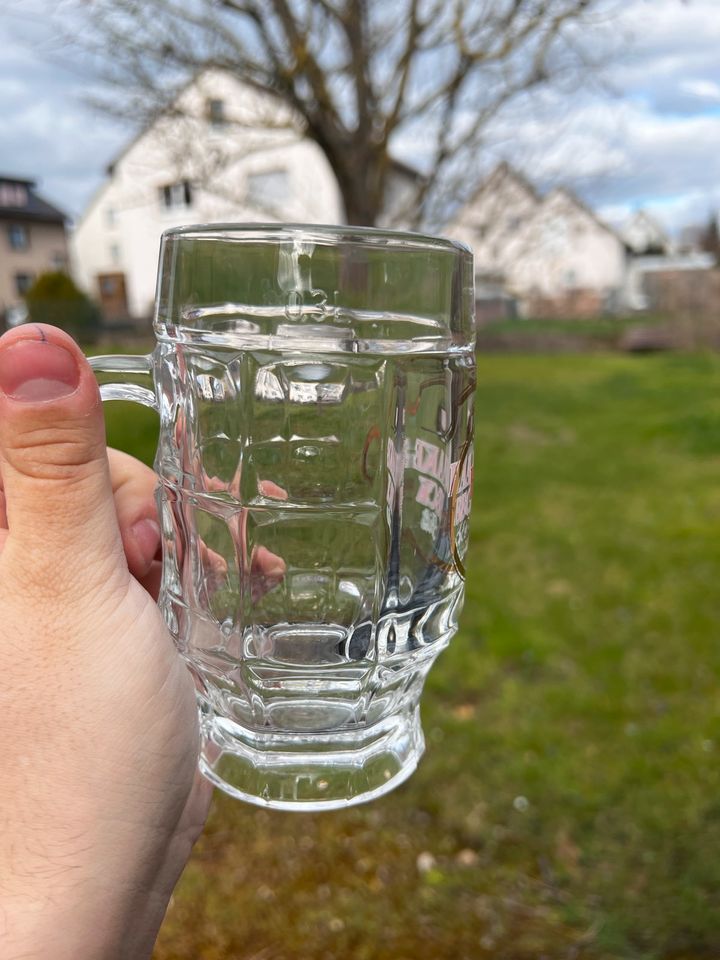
(356, 74)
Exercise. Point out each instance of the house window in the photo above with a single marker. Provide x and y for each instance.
(269, 187)
(13, 195)
(115, 254)
(215, 110)
(59, 262)
(176, 196)
(110, 216)
(570, 278)
(19, 236)
(23, 282)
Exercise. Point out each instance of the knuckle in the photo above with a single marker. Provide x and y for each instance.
(52, 454)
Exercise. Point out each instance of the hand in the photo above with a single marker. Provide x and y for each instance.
(100, 800)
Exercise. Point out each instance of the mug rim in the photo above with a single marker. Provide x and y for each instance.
(317, 232)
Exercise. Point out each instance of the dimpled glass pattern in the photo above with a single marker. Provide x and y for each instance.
(315, 390)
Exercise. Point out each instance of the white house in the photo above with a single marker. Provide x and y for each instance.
(229, 153)
(493, 222)
(644, 235)
(544, 250)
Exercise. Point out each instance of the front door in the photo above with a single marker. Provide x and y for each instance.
(113, 296)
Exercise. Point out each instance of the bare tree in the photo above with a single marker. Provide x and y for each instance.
(360, 76)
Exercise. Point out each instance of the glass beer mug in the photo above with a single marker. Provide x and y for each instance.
(315, 392)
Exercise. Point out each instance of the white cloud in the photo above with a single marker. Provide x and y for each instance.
(668, 43)
(658, 28)
(706, 89)
(615, 213)
(657, 143)
(674, 213)
(48, 133)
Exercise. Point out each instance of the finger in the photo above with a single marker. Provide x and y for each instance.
(268, 488)
(59, 502)
(215, 567)
(152, 580)
(134, 486)
(267, 570)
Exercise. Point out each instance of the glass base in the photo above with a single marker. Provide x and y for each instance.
(321, 772)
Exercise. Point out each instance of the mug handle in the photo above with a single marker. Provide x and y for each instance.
(125, 377)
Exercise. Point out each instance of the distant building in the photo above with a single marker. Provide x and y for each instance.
(33, 239)
(550, 253)
(228, 153)
(651, 281)
(643, 235)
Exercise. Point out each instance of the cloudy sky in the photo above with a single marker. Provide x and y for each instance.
(650, 138)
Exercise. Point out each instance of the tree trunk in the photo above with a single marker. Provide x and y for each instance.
(360, 173)
(358, 211)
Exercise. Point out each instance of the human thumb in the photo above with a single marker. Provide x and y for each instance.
(53, 459)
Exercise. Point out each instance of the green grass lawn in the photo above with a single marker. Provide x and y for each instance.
(569, 801)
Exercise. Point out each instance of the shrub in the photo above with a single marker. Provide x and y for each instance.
(54, 298)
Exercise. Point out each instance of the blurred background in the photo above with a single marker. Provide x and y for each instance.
(568, 804)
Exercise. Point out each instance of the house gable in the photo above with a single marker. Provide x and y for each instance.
(565, 248)
(230, 154)
(538, 247)
(643, 234)
(495, 217)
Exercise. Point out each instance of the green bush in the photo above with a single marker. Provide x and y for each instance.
(54, 298)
